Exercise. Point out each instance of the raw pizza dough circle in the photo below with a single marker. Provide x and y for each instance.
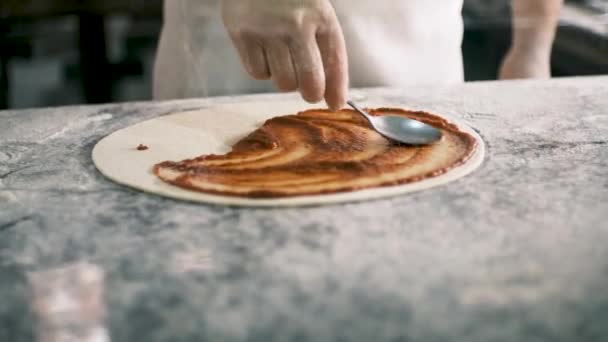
(213, 130)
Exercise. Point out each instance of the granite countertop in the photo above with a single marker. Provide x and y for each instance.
(517, 251)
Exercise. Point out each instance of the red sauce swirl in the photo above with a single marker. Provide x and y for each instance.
(320, 152)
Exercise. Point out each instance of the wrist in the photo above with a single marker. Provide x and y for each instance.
(532, 49)
(534, 33)
(533, 40)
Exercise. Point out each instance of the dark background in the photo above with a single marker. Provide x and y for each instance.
(56, 52)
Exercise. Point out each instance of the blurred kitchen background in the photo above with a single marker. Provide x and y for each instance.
(61, 52)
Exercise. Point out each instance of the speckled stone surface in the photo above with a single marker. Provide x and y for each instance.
(518, 251)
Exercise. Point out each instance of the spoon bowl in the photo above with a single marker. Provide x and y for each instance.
(400, 129)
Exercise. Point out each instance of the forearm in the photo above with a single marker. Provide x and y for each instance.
(535, 24)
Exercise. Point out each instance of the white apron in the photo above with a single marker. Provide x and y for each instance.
(389, 43)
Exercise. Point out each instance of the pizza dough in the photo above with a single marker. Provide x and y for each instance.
(213, 131)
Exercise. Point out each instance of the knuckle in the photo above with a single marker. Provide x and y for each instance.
(325, 17)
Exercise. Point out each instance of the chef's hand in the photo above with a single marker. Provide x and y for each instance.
(530, 63)
(297, 43)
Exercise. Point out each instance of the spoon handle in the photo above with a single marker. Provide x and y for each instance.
(361, 111)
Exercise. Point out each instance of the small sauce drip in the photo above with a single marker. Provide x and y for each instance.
(142, 147)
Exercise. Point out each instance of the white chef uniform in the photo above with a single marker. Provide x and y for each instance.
(389, 43)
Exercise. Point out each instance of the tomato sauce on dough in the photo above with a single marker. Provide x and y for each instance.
(320, 152)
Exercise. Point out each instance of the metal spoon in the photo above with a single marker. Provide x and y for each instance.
(400, 129)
